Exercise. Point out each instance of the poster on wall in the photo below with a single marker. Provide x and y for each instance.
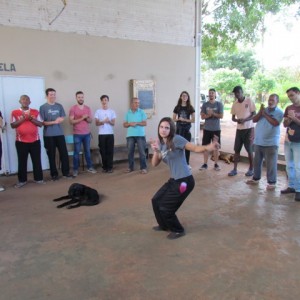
(145, 91)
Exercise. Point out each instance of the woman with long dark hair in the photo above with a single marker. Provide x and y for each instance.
(184, 116)
(170, 148)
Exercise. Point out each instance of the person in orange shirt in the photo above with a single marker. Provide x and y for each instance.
(26, 122)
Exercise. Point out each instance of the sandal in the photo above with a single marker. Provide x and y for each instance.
(249, 173)
(128, 171)
(232, 173)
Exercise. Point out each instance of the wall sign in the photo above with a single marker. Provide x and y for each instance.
(145, 91)
(4, 67)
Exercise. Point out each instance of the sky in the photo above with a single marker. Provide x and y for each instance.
(282, 41)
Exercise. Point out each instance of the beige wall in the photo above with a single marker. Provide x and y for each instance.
(97, 65)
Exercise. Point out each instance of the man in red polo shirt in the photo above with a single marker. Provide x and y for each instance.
(26, 122)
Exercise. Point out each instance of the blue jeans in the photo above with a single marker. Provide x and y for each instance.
(141, 144)
(84, 139)
(292, 158)
(270, 154)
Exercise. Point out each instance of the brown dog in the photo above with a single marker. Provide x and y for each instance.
(227, 157)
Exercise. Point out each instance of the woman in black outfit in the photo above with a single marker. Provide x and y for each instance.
(184, 116)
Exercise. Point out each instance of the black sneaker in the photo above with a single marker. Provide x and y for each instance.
(68, 176)
(288, 190)
(203, 167)
(175, 235)
(158, 228)
(54, 178)
(217, 167)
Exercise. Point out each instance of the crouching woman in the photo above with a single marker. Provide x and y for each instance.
(170, 148)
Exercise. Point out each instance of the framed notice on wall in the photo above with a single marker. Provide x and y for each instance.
(145, 91)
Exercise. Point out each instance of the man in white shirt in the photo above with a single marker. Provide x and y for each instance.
(243, 111)
(105, 120)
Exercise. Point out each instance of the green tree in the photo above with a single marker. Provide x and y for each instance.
(244, 61)
(224, 80)
(285, 78)
(262, 84)
(227, 22)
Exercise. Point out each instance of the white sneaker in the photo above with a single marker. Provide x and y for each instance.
(2, 188)
(20, 184)
(252, 181)
(75, 173)
(92, 170)
(271, 186)
(40, 181)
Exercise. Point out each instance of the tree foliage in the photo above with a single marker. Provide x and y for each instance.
(285, 78)
(244, 61)
(226, 22)
(261, 85)
(224, 80)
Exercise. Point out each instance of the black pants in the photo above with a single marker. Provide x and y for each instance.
(34, 149)
(167, 200)
(106, 147)
(184, 132)
(0, 153)
(50, 144)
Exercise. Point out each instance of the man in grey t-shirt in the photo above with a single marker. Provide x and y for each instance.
(53, 115)
(211, 113)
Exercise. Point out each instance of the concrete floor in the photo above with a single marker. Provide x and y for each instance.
(242, 242)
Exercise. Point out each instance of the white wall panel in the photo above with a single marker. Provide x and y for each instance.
(160, 21)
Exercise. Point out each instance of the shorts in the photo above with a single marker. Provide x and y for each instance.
(244, 137)
(209, 135)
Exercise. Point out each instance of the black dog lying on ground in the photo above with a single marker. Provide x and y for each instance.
(79, 194)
